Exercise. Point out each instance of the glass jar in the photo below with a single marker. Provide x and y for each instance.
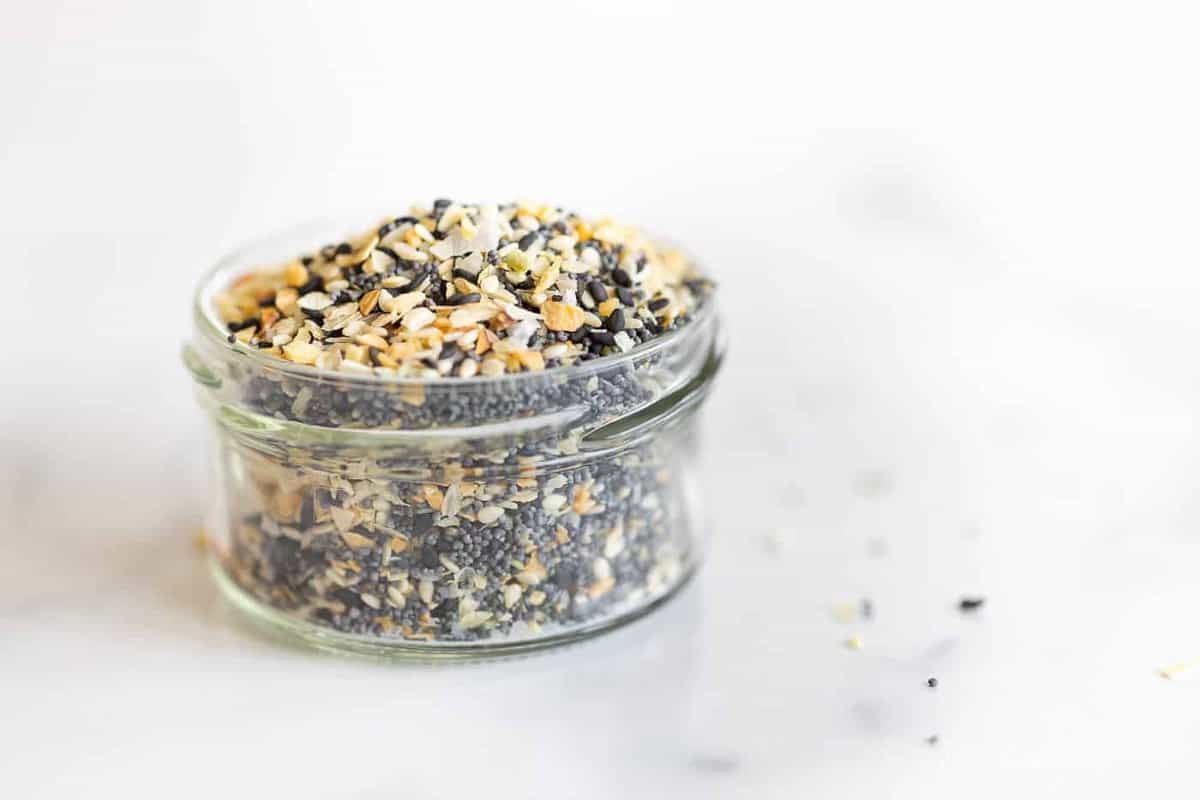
(451, 516)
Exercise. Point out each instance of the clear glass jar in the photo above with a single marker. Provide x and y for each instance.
(451, 516)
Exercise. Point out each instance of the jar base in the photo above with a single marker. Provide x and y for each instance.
(290, 630)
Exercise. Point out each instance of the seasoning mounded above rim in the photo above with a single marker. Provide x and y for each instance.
(464, 291)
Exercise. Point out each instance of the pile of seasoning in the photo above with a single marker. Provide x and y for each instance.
(445, 321)
(466, 291)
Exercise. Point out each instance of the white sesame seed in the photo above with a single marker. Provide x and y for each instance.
(450, 218)
(315, 301)
(418, 318)
(489, 514)
(410, 253)
(470, 314)
(380, 262)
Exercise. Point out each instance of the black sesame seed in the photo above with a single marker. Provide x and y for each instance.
(436, 291)
(465, 274)
(312, 286)
(932, 683)
(625, 296)
(344, 249)
(440, 203)
(597, 291)
(968, 604)
(527, 240)
(603, 338)
(615, 321)
(621, 277)
(460, 299)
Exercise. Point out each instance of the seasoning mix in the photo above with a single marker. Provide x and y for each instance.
(468, 428)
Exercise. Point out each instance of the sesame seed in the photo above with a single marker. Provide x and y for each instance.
(969, 604)
(597, 291)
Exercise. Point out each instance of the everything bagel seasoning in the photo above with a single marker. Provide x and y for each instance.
(466, 291)
(454, 508)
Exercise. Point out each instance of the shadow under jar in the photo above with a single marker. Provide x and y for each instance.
(455, 517)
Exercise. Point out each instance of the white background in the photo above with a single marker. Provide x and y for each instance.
(958, 259)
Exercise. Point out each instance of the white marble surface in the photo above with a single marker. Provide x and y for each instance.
(975, 375)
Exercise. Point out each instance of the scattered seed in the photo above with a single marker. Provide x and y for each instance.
(970, 603)
(1177, 669)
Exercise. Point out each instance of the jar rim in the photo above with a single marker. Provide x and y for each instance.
(234, 263)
